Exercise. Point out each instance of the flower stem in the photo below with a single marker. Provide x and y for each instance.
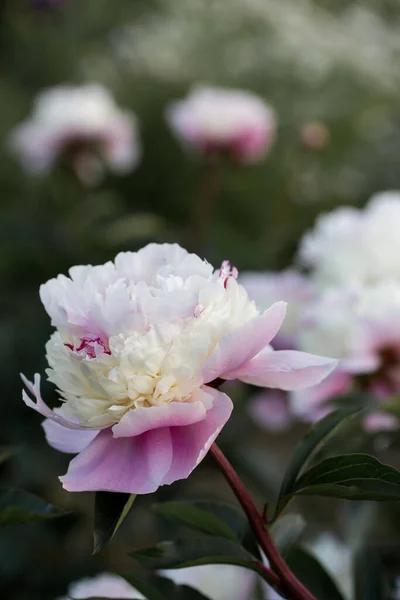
(209, 188)
(288, 583)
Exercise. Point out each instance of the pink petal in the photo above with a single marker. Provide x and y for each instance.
(240, 346)
(192, 443)
(175, 414)
(284, 369)
(41, 407)
(65, 439)
(140, 464)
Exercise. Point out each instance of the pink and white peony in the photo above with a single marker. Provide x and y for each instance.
(141, 347)
(225, 120)
(351, 245)
(81, 124)
(360, 325)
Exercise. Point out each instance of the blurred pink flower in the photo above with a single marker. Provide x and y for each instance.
(82, 125)
(270, 410)
(291, 287)
(224, 120)
(355, 246)
(360, 325)
(140, 350)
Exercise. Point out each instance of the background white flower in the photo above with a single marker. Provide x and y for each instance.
(82, 125)
(351, 245)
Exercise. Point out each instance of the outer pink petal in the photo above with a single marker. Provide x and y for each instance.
(240, 346)
(41, 407)
(175, 414)
(65, 439)
(285, 369)
(140, 464)
(192, 443)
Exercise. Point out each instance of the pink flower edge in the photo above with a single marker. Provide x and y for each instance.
(140, 464)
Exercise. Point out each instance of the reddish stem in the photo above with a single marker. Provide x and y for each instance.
(288, 583)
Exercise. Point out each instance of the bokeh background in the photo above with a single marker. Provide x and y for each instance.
(335, 62)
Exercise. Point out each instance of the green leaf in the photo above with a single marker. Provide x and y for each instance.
(286, 530)
(351, 476)
(191, 552)
(307, 447)
(211, 518)
(312, 575)
(17, 506)
(109, 512)
(369, 581)
(154, 587)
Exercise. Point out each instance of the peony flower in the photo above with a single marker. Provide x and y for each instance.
(82, 125)
(289, 286)
(104, 585)
(140, 349)
(222, 120)
(361, 326)
(351, 245)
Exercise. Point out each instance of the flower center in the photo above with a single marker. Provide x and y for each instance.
(93, 346)
(226, 272)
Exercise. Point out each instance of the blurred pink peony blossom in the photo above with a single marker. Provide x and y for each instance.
(291, 287)
(141, 347)
(221, 120)
(81, 125)
(359, 325)
(270, 410)
(355, 246)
